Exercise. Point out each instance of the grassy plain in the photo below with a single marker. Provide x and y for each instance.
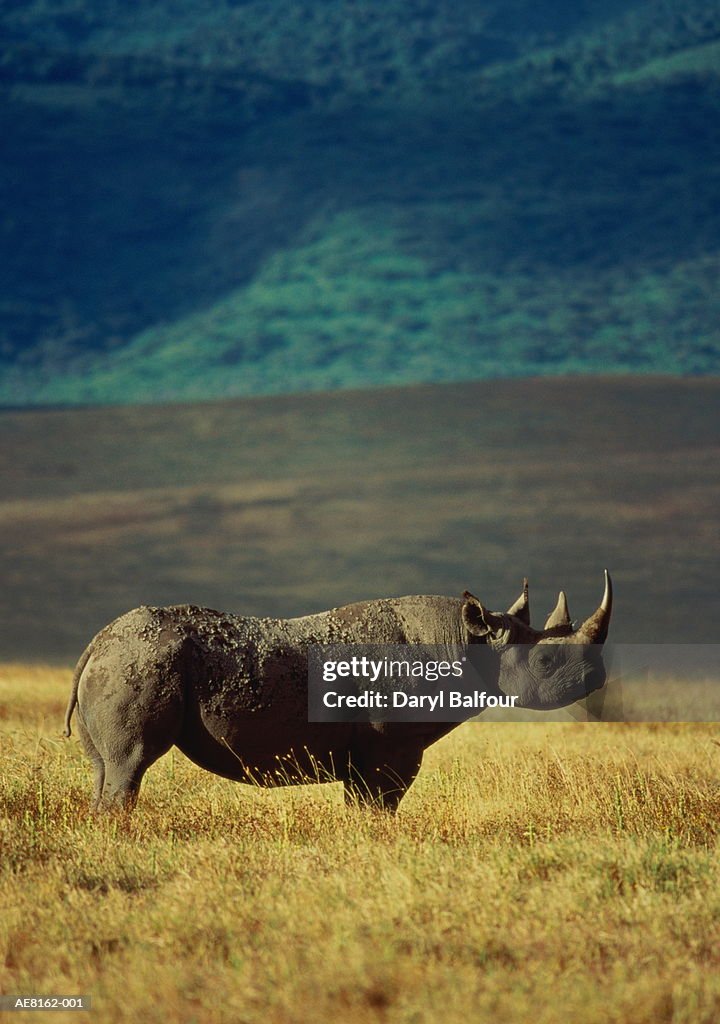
(544, 872)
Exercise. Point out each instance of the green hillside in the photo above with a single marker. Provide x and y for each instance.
(242, 198)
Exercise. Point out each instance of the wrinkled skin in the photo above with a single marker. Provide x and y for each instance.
(231, 692)
(548, 677)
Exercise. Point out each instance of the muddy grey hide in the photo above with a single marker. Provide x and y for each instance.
(231, 692)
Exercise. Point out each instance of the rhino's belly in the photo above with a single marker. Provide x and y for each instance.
(267, 749)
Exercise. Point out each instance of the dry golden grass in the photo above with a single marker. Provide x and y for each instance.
(536, 872)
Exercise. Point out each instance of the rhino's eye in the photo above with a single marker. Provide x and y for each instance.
(544, 660)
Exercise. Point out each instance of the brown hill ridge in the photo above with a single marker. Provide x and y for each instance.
(296, 503)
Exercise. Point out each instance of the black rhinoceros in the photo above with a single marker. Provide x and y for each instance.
(232, 692)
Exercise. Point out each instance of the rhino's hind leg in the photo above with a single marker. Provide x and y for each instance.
(127, 722)
(127, 761)
(117, 779)
(122, 784)
(118, 785)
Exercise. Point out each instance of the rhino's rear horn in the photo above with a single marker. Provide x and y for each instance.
(521, 608)
(595, 629)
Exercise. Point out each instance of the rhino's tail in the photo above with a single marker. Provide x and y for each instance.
(75, 683)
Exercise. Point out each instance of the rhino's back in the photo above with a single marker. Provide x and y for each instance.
(419, 618)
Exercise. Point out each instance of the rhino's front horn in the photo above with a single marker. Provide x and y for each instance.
(559, 616)
(595, 629)
(521, 608)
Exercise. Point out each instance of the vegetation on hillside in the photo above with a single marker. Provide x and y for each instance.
(223, 199)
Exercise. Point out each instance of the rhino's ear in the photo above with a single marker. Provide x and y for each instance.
(521, 608)
(473, 615)
(478, 620)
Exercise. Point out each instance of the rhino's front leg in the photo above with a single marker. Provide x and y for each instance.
(380, 774)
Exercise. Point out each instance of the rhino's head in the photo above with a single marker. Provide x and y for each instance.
(547, 668)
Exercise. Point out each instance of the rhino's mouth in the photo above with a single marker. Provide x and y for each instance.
(591, 681)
